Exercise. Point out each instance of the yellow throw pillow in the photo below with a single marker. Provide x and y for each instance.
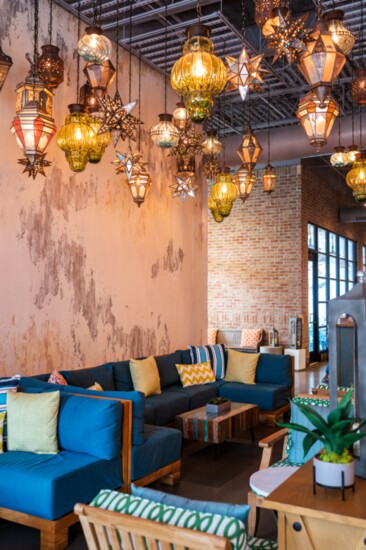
(32, 421)
(192, 375)
(241, 367)
(145, 376)
(96, 387)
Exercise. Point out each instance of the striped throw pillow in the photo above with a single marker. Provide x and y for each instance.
(7, 384)
(224, 526)
(2, 420)
(193, 375)
(215, 354)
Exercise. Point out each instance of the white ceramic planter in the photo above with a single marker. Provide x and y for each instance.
(329, 474)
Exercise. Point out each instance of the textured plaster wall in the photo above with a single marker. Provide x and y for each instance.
(87, 276)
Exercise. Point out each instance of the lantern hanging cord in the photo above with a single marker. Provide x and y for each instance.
(361, 33)
(361, 132)
(243, 21)
(268, 127)
(130, 54)
(165, 55)
(139, 98)
(319, 9)
(50, 24)
(35, 48)
(339, 131)
(78, 58)
(223, 118)
(117, 46)
(199, 11)
(95, 5)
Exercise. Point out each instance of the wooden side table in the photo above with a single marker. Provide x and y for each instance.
(318, 522)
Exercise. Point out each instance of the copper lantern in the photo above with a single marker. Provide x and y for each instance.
(316, 120)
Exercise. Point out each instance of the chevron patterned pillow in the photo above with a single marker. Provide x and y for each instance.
(193, 375)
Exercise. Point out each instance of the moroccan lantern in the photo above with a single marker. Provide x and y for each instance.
(263, 10)
(180, 116)
(358, 86)
(274, 19)
(224, 192)
(100, 141)
(76, 137)
(51, 66)
(186, 165)
(250, 149)
(244, 181)
(339, 157)
(5, 64)
(165, 134)
(269, 179)
(356, 179)
(94, 46)
(353, 153)
(198, 75)
(87, 96)
(211, 145)
(139, 184)
(322, 61)
(100, 76)
(340, 34)
(214, 210)
(316, 120)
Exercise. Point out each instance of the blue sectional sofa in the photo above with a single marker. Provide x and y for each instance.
(41, 490)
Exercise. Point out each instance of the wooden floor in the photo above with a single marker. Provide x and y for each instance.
(203, 478)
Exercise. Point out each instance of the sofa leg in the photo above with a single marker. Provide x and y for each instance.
(171, 479)
(254, 502)
(54, 539)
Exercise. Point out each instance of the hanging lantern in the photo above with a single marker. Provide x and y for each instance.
(198, 75)
(180, 116)
(316, 120)
(356, 179)
(100, 76)
(211, 168)
(184, 187)
(165, 134)
(250, 149)
(76, 137)
(214, 210)
(358, 86)
(5, 64)
(33, 130)
(263, 10)
(244, 181)
(51, 66)
(100, 141)
(94, 46)
(278, 14)
(211, 145)
(339, 157)
(186, 166)
(353, 153)
(340, 34)
(33, 89)
(87, 96)
(224, 192)
(139, 184)
(322, 62)
(269, 179)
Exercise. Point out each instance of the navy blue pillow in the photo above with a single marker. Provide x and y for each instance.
(274, 369)
(185, 356)
(167, 370)
(122, 375)
(84, 378)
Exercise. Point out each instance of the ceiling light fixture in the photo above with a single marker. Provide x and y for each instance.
(244, 181)
(288, 37)
(250, 149)
(263, 10)
(212, 206)
(94, 46)
(224, 192)
(359, 79)
(340, 34)
(269, 177)
(180, 116)
(317, 120)
(356, 177)
(339, 157)
(50, 64)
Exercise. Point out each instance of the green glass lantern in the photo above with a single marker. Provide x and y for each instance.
(76, 137)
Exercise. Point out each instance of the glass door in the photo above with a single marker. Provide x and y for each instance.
(312, 319)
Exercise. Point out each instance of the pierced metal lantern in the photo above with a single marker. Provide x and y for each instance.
(186, 165)
(269, 179)
(224, 192)
(76, 137)
(316, 120)
(263, 10)
(100, 76)
(180, 116)
(198, 75)
(244, 181)
(359, 86)
(94, 46)
(322, 61)
(250, 149)
(34, 90)
(340, 34)
(277, 15)
(165, 134)
(5, 64)
(51, 66)
(87, 96)
(356, 179)
(339, 157)
(99, 142)
(139, 184)
(211, 145)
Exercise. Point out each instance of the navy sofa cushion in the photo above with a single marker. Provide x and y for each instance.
(48, 486)
(122, 375)
(149, 415)
(167, 369)
(162, 446)
(185, 356)
(198, 395)
(167, 405)
(268, 397)
(83, 378)
(137, 398)
(274, 369)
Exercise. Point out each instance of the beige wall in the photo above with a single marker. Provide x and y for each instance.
(87, 276)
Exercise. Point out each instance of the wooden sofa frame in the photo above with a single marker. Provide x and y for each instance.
(54, 533)
(104, 530)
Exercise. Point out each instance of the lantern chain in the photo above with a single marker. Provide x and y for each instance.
(361, 132)
(199, 11)
(223, 118)
(50, 24)
(78, 58)
(319, 9)
(139, 101)
(165, 55)
(268, 127)
(35, 46)
(243, 20)
(130, 54)
(100, 13)
(361, 33)
(117, 40)
(95, 5)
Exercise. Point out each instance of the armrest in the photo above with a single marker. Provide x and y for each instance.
(270, 440)
(267, 444)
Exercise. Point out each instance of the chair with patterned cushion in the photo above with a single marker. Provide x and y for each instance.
(251, 339)
(292, 450)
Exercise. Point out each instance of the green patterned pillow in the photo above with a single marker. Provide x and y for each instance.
(2, 420)
(224, 526)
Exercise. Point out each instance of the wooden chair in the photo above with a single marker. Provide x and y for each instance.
(105, 530)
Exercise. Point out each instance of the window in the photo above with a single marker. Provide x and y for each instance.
(332, 268)
(364, 258)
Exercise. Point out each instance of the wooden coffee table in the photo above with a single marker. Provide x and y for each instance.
(217, 428)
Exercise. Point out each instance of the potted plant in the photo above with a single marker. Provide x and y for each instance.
(218, 405)
(337, 433)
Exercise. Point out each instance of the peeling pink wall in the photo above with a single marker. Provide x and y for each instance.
(87, 276)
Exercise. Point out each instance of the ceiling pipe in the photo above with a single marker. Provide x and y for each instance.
(291, 143)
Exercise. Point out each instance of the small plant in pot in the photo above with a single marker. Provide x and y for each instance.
(337, 433)
(218, 405)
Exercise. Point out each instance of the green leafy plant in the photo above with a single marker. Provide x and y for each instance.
(335, 433)
(218, 400)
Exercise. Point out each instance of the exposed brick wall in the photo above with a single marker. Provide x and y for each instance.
(257, 259)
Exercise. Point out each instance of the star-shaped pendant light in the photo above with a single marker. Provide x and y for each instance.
(244, 73)
(183, 187)
(289, 38)
(211, 168)
(35, 167)
(117, 117)
(128, 163)
(189, 143)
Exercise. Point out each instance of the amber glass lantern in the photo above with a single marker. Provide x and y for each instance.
(51, 66)
(353, 153)
(139, 184)
(214, 210)
(211, 145)
(317, 121)
(224, 192)
(198, 75)
(250, 149)
(180, 116)
(322, 61)
(356, 179)
(269, 179)
(76, 137)
(340, 34)
(100, 76)
(244, 181)
(339, 157)
(359, 86)
(263, 10)
(5, 64)
(94, 46)
(100, 141)
(165, 134)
